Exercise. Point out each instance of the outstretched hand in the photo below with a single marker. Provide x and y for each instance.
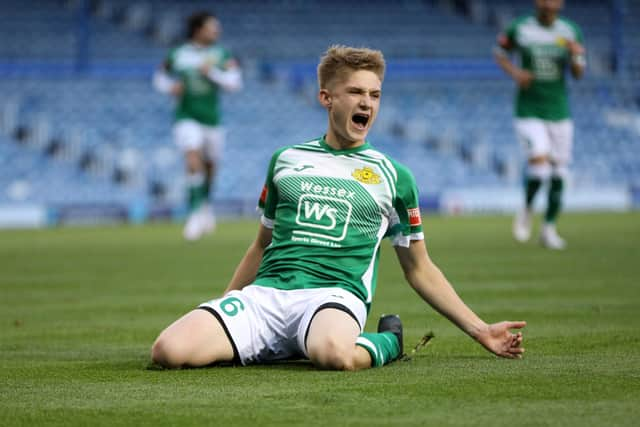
(498, 339)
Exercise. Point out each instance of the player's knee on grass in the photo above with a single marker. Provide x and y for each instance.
(196, 339)
(329, 352)
(167, 353)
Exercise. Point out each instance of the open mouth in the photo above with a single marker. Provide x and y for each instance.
(360, 120)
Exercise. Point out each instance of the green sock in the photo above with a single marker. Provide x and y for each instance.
(207, 187)
(532, 186)
(555, 199)
(197, 191)
(383, 347)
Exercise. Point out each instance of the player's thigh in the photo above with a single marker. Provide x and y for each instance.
(196, 339)
(253, 319)
(188, 135)
(533, 136)
(331, 336)
(214, 140)
(326, 307)
(561, 134)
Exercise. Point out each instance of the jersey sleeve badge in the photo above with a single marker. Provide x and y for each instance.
(263, 195)
(415, 218)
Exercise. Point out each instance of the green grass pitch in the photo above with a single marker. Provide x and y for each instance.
(80, 308)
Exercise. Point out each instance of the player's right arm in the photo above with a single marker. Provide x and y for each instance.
(505, 44)
(247, 269)
(228, 77)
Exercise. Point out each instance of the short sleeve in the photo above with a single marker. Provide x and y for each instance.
(578, 33)
(169, 61)
(510, 33)
(226, 58)
(507, 39)
(269, 196)
(405, 223)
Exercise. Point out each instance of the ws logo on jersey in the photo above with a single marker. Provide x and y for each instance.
(320, 213)
(323, 217)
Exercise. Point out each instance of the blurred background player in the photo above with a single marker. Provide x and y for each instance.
(547, 44)
(194, 73)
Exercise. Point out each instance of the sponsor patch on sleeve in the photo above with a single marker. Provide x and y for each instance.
(414, 217)
(263, 195)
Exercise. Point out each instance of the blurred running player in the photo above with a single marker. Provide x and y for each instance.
(547, 45)
(194, 73)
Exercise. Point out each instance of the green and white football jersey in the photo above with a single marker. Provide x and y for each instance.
(329, 210)
(543, 51)
(200, 100)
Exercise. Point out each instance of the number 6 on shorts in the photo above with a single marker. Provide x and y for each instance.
(231, 306)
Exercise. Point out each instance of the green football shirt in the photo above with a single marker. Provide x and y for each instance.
(200, 100)
(329, 211)
(543, 51)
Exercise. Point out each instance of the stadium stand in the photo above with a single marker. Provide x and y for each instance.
(80, 123)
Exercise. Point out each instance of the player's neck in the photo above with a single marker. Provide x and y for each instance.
(546, 20)
(200, 43)
(337, 142)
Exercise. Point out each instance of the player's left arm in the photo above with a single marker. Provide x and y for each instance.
(228, 76)
(434, 288)
(577, 54)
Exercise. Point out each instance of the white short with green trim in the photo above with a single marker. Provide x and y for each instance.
(266, 324)
(546, 138)
(192, 135)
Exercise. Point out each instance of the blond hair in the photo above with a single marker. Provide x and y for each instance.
(338, 59)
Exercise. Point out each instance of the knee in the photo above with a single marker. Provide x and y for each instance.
(166, 353)
(194, 160)
(539, 160)
(329, 353)
(540, 169)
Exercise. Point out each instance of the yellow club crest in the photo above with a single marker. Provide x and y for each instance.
(366, 175)
(561, 41)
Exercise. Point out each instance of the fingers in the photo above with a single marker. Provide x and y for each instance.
(509, 345)
(516, 340)
(513, 353)
(514, 349)
(516, 324)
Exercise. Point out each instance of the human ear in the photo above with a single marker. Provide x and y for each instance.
(324, 98)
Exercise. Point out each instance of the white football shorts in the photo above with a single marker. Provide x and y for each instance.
(266, 324)
(191, 135)
(546, 138)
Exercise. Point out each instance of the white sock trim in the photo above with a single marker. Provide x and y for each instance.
(364, 342)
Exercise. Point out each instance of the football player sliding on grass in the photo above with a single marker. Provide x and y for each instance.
(305, 285)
